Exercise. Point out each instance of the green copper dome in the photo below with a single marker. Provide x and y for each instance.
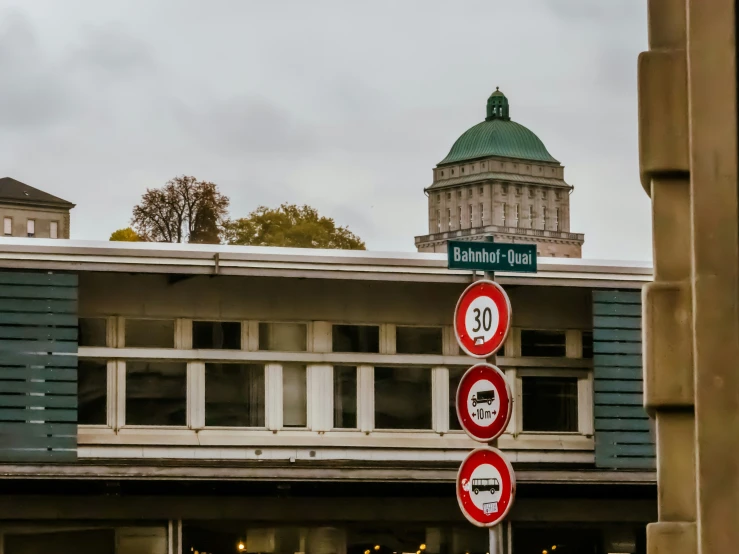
(498, 136)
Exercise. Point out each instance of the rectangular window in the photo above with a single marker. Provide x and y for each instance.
(91, 331)
(438, 220)
(455, 376)
(459, 210)
(92, 392)
(531, 217)
(449, 218)
(471, 214)
(544, 217)
(402, 398)
(356, 338)
(556, 219)
(218, 335)
(234, 395)
(549, 404)
(156, 393)
(294, 396)
(482, 214)
(8, 226)
(587, 344)
(515, 216)
(418, 340)
(505, 215)
(31, 227)
(549, 344)
(150, 333)
(283, 337)
(345, 397)
(54, 230)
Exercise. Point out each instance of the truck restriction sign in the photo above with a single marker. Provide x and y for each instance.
(486, 486)
(482, 318)
(484, 402)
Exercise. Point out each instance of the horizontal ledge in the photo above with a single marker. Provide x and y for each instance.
(336, 358)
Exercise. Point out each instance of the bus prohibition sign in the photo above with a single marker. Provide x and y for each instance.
(484, 402)
(486, 487)
(482, 318)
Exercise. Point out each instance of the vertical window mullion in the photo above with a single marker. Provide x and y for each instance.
(573, 343)
(585, 424)
(514, 424)
(320, 397)
(440, 399)
(366, 398)
(449, 345)
(273, 396)
(120, 394)
(387, 339)
(183, 333)
(196, 395)
(111, 394)
(250, 336)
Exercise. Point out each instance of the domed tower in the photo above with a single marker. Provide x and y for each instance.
(499, 180)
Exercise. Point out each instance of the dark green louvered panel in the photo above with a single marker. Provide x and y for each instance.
(623, 431)
(38, 367)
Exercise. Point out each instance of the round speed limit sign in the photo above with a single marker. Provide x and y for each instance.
(482, 318)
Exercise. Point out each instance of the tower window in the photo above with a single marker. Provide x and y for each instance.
(556, 219)
(515, 215)
(531, 217)
(482, 214)
(442, 173)
(505, 189)
(452, 172)
(557, 194)
(459, 194)
(505, 215)
(544, 194)
(438, 220)
(449, 218)
(462, 169)
(544, 216)
(471, 224)
(482, 190)
(531, 193)
(448, 195)
(31, 227)
(469, 193)
(483, 166)
(438, 197)
(8, 226)
(459, 213)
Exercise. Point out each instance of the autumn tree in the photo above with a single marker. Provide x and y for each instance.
(290, 225)
(125, 235)
(183, 210)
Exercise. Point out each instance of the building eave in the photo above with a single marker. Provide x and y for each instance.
(71, 255)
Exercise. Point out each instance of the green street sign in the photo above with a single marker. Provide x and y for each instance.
(492, 256)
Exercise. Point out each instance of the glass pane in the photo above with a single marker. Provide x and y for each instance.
(283, 337)
(294, 396)
(219, 335)
(345, 397)
(156, 393)
(356, 338)
(587, 344)
(543, 343)
(402, 398)
(92, 331)
(418, 340)
(455, 376)
(92, 391)
(549, 404)
(150, 333)
(234, 395)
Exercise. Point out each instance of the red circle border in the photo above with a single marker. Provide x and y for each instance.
(497, 377)
(494, 457)
(475, 290)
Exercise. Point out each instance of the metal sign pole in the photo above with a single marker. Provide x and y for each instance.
(494, 535)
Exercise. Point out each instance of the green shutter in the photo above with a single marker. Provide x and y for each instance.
(38, 367)
(623, 431)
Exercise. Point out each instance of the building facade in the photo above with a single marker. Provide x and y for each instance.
(499, 180)
(166, 399)
(29, 212)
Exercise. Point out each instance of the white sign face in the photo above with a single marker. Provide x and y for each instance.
(481, 320)
(483, 403)
(485, 488)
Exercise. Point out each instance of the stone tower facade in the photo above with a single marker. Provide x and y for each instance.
(499, 180)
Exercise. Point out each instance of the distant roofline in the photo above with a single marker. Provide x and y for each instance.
(133, 257)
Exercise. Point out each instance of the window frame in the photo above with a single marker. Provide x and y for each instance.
(30, 228)
(53, 229)
(6, 220)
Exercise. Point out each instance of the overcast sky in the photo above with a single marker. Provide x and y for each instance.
(346, 106)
